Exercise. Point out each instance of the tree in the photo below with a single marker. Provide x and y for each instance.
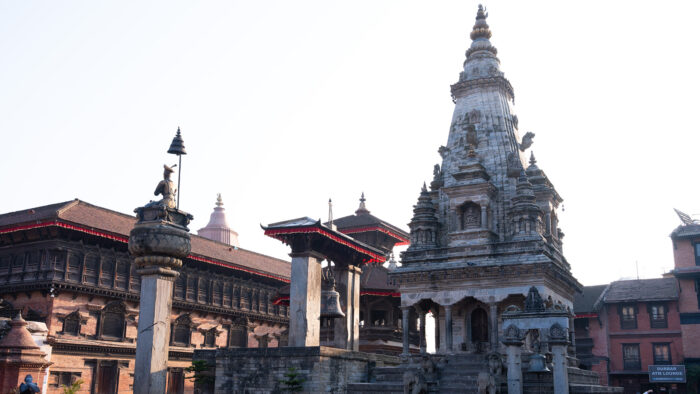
(293, 381)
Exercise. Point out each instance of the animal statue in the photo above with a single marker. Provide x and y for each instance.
(527, 141)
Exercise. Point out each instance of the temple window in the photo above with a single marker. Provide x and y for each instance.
(210, 338)
(238, 336)
(182, 331)
(71, 324)
(180, 283)
(470, 215)
(59, 379)
(112, 321)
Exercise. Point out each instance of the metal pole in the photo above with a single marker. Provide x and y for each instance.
(179, 170)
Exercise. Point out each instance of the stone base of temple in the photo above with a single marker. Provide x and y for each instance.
(262, 370)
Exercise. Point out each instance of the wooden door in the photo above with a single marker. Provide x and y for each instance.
(107, 378)
(480, 326)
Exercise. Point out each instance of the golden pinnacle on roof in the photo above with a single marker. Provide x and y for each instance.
(481, 28)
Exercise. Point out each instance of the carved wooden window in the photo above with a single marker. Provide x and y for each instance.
(630, 357)
(60, 379)
(471, 216)
(210, 338)
(74, 263)
(657, 316)
(662, 354)
(71, 324)
(181, 331)
(628, 316)
(33, 261)
(179, 291)
(5, 264)
(91, 269)
(107, 272)
(202, 290)
(217, 293)
(238, 336)
(113, 321)
(263, 341)
(134, 279)
(227, 295)
(57, 260)
(237, 297)
(191, 287)
(122, 275)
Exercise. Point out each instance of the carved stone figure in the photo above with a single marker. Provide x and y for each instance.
(557, 332)
(471, 135)
(534, 302)
(527, 141)
(514, 165)
(436, 172)
(443, 151)
(512, 332)
(472, 216)
(474, 116)
(514, 118)
(166, 188)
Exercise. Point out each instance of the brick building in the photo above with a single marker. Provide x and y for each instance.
(686, 256)
(67, 264)
(626, 326)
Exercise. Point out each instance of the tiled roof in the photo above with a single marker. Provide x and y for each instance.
(375, 277)
(97, 218)
(688, 230)
(660, 289)
(585, 302)
(363, 220)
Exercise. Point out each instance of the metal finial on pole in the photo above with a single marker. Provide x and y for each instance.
(330, 213)
(177, 147)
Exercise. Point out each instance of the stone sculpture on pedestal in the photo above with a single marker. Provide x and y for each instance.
(158, 242)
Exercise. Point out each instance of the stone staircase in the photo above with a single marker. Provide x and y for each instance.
(453, 374)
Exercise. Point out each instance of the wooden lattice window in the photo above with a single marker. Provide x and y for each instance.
(210, 338)
(113, 321)
(182, 331)
(71, 324)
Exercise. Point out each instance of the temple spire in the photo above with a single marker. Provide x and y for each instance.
(481, 28)
(362, 210)
(218, 228)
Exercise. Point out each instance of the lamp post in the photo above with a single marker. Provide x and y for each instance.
(177, 147)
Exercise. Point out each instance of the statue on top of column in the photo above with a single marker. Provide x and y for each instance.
(166, 187)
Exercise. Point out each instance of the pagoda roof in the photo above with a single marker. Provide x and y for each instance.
(365, 222)
(331, 243)
(78, 215)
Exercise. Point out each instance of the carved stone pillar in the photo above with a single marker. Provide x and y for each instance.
(558, 342)
(346, 333)
(493, 326)
(305, 299)
(405, 314)
(484, 218)
(548, 223)
(514, 344)
(448, 328)
(423, 344)
(158, 242)
(436, 317)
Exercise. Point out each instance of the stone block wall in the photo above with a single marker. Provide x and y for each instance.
(324, 369)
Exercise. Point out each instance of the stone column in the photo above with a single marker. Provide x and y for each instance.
(405, 314)
(515, 372)
(558, 342)
(448, 328)
(423, 344)
(493, 329)
(347, 330)
(305, 299)
(548, 223)
(436, 318)
(158, 242)
(484, 218)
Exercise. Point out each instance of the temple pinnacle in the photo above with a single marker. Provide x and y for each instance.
(219, 201)
(481, 28)
(532, 158)
(362, 210)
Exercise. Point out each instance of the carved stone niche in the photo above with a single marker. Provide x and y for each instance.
(470, 215)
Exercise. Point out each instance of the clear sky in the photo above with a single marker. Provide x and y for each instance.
(284, 104)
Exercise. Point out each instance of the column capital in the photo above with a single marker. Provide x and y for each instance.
(307, 253)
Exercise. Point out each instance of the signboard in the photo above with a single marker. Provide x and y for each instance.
(667, 374)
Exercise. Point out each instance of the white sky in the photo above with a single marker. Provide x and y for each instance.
(284, 104)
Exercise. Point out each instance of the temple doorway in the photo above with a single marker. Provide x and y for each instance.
(479, 326)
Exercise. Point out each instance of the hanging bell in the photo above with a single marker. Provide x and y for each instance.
(538, 363)
(330, 304)
(177, 147)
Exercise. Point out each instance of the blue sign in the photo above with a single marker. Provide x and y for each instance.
(667, 374)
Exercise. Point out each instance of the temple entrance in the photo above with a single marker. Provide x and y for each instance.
(479, 326)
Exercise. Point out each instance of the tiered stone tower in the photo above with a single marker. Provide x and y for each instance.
(486, 231)
(218, 229)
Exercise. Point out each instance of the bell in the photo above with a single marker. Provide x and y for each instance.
(538, 363)
(330, 304)
(177, 147)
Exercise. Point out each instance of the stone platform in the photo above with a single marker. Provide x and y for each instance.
(261, 370)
